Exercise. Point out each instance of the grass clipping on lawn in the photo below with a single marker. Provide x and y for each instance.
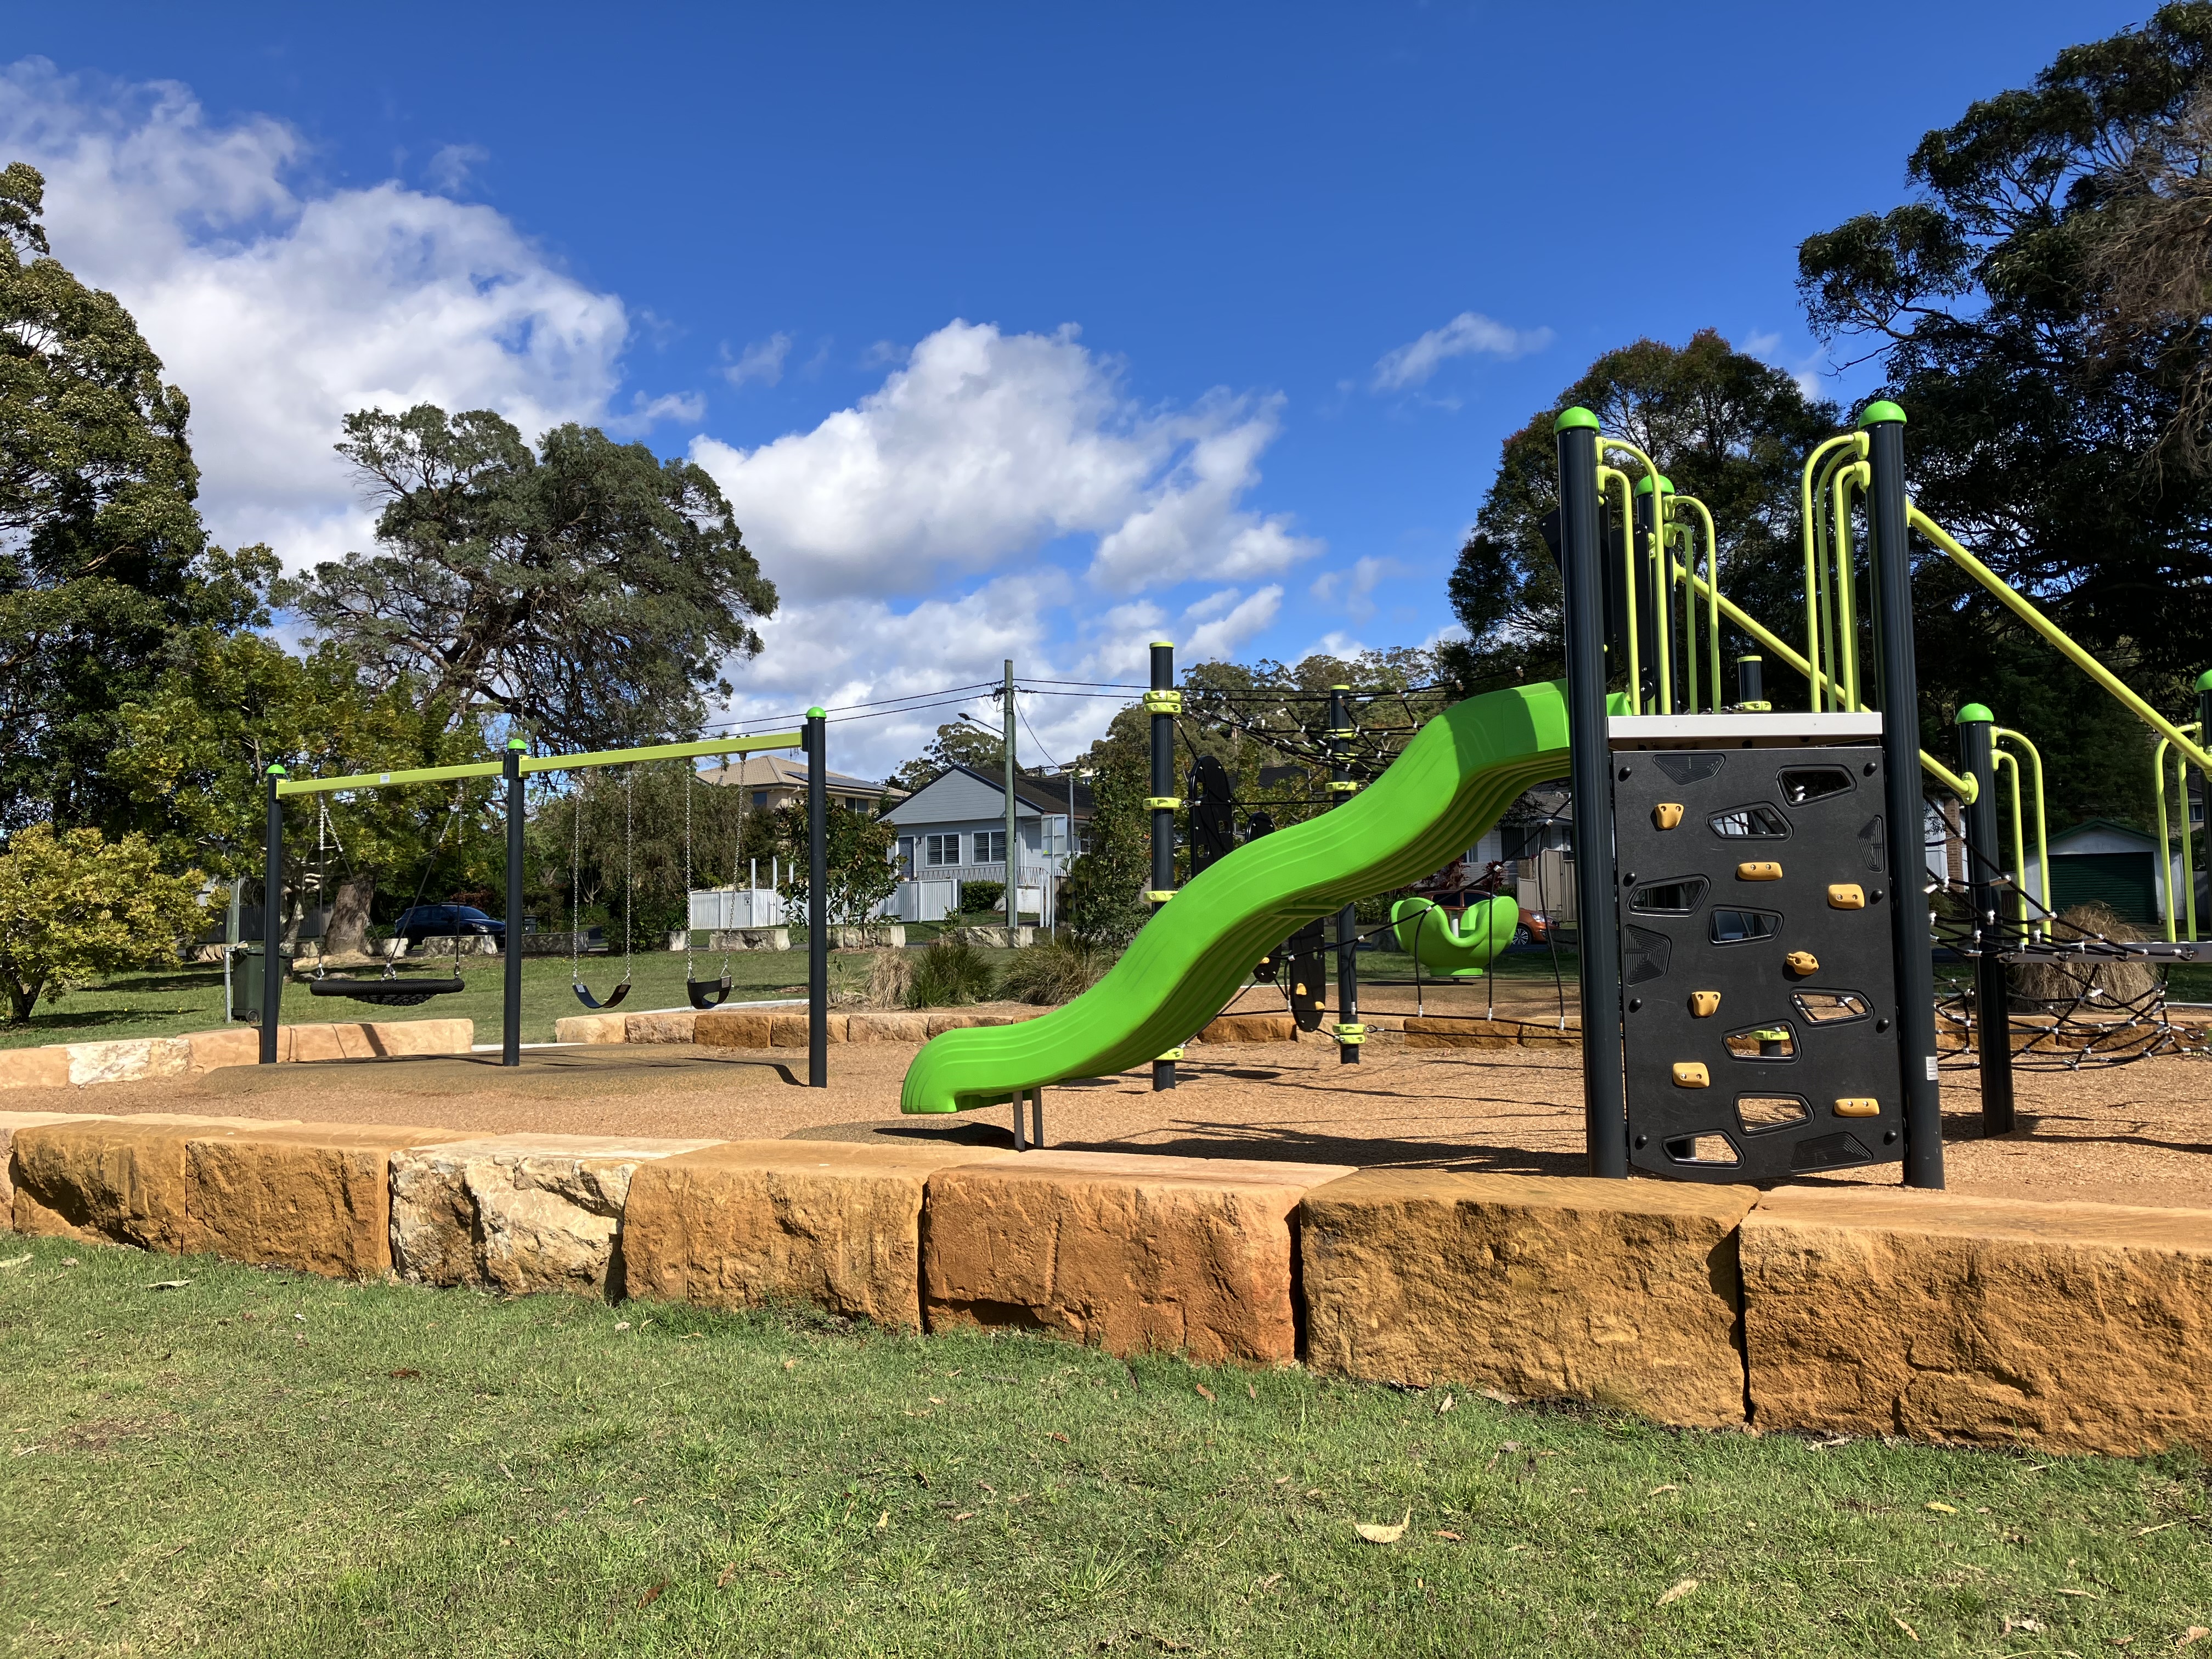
(254, 1461)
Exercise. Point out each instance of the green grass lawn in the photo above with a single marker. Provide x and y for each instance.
(167, 1002)
(252, 1462)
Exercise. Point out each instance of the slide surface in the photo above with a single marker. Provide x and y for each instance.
(1426, 932)
(1453, 780)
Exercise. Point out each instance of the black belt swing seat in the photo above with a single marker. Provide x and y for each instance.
(707, 995)
(613, 998)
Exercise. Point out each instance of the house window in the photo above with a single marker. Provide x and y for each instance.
(939, 850)
(990, 846)
(760, 797)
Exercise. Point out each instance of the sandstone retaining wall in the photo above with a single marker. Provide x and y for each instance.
(1623, 1291)
(2068, 1327)
(1125, 1251)
(751, 1223)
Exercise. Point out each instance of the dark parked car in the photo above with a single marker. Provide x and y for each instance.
(444, 921)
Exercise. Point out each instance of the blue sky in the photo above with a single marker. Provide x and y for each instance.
(1012, 331)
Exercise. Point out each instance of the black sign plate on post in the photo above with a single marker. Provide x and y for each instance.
(1757, 976)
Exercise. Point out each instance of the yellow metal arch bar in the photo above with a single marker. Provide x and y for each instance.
(2042, 624)
(2164, 855)
(2006, 734)
(542, 764)
(1964, 788)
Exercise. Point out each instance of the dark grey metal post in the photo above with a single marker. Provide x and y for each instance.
(1597, 928)
(510, 1032)
(1892, 555)
(272, 904)
(1162, 702)
(818, 901)
(1348, 1032)
(1751, 682)
(1992, 1002)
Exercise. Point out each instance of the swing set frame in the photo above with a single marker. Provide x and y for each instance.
(518, 764)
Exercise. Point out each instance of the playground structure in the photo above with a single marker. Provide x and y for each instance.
(1703, 990)
(514, 768)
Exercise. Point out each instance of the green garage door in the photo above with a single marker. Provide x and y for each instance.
(2125, 881)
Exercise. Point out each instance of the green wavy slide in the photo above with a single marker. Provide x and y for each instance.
(1426, 932)
(1451, 783)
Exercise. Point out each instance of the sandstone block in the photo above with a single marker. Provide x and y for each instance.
(418, 1036)
(789, 1030)
(518, 1212)
(1123, 1251)
(314, 1196)
(2070, 1327)
(669, 1025)
(120, 1179)
(9, 1123)
(34, 1068)
(734, 1028)
(939, 1024)
(358, 1040)
(129, 1060)
(591, 1028)
(887, 1028)
(751, 1223)
(1621, 1291)
(1427, 1031)
(1249, 1028)
(235, 1045)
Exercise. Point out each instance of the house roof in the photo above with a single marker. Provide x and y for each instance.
(1045, 796)
(780, 772)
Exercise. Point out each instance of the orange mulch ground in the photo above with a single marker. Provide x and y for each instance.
(2138, 1133)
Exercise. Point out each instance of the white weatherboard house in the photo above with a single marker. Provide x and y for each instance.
(954, 830)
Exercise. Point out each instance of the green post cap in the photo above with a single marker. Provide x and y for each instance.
(1881, 411)
(518, 743)
(814, 714)
(276, 769)
(1340, 688)
(1163, 645)
(2204, 681)
(1576, 419)
(1975, 713)
(1644, 484)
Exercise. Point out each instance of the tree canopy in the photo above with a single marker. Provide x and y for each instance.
(2044, 394)
(102, 554)
(1726, 428)
(588, 590)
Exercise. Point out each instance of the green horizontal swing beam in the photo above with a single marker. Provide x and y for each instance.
(544, 763)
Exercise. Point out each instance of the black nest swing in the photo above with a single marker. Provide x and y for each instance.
(389, 991)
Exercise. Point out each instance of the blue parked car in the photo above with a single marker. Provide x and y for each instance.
(443, 922)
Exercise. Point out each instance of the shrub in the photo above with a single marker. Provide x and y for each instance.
(1055, 971)
(946, 974)
(982, 897)
(890, 977)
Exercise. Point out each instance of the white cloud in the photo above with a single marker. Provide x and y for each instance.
(449, 169)
(1218, 639)
(280, 310)
(1352, 591)
(761, 361)
(1467, 335)
(981, 448)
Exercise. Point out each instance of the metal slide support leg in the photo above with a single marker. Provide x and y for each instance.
(1163, 818)
(817, 902)
(1348, 1034)
(1036, 1116)
(510, 1031)
(272, 908)
(1901, 800)
(1021, 1100)
(1992, 1011)
(1591, 758)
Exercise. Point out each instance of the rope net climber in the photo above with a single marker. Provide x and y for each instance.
(2084, 987)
